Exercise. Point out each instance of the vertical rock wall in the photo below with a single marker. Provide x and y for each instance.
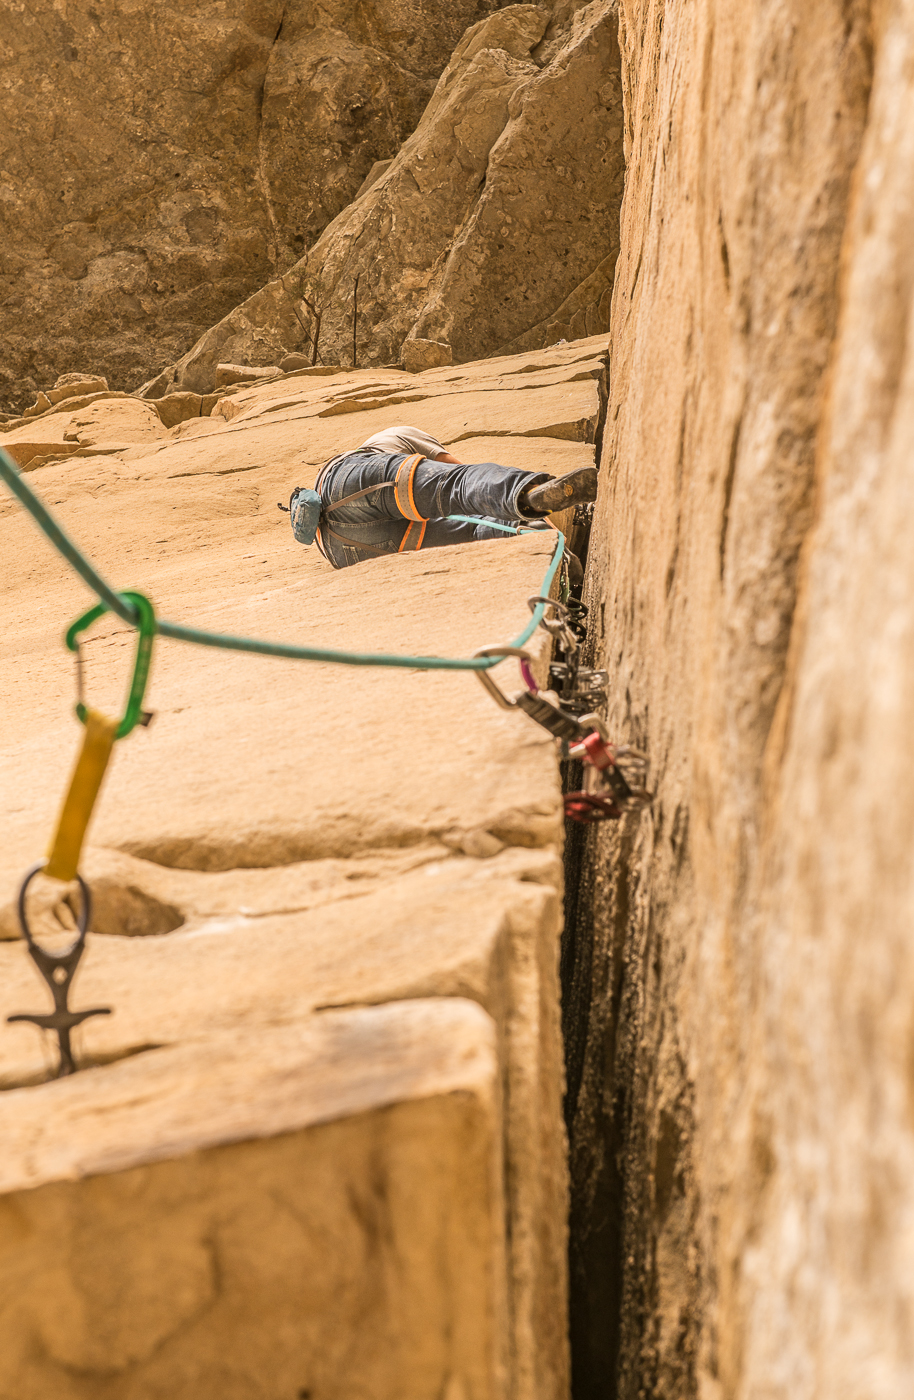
(740, 1068)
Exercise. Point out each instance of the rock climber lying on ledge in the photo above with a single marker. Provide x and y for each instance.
(394, 494)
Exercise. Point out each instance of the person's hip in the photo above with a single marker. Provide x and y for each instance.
(342, 545)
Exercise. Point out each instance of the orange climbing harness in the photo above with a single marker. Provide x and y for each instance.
(405, 502)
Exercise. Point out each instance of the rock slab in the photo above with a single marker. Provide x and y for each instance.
(318, 1145)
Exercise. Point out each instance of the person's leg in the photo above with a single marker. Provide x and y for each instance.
(439, 489)
(422, 489)
(431, 490)
(372, 524)
(376, 521)
(441, 532)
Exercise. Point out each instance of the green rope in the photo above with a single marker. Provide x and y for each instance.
(116, 603)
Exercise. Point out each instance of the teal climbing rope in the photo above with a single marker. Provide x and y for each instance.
(123, 608)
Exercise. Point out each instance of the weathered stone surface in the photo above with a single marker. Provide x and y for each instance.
(374, 174)
(243, 374)
(345, 86)
(30, 443)
(295, 361)
(739, 1014)
(495, 226)
(177, 408)
(276, 1184)
(327, 907)
(68, 386)
(102, 421)
(160, 163)
(297, 421)
(420, 355)
(548, 212)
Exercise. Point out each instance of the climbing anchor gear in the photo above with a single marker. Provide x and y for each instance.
(589, 807)
(579, 688)
(99, 738)
(58, 971)
(76, 812)
(558, 625)
(619, 768)
(615, 773)
(62, 863)
(559, 724)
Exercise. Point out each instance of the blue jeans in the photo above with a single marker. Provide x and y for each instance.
(376, 524)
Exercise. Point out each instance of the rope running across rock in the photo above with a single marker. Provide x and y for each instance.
(116, 603)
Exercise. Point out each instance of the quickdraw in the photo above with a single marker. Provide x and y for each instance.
(134, 713)
(579, 688)
(62, 863)
(614, 774)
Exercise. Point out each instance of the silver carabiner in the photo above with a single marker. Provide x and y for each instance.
(594, 722)
(496, 693)
(558, 625)
(551, 624)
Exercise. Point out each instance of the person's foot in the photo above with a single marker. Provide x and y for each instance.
(575, 489)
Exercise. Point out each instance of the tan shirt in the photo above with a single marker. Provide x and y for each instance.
(400, 439)
(403, 439)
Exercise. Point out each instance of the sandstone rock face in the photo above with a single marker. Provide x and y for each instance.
(345, 85)
(155, 1271)
(318, 1147)
(740, 1098)
(494, 229)
(160, 162)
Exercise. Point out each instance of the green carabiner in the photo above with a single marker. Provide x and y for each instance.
(146, 626)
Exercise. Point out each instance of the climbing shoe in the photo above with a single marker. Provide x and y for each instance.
(575, 489)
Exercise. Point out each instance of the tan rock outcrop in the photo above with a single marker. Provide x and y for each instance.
(742, 1156)
(158, 165)
(495, 227)
(419, 355)
(276, 1179)
(99, 422)
(318, 1145)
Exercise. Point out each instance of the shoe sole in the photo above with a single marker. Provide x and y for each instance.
(576, 489)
